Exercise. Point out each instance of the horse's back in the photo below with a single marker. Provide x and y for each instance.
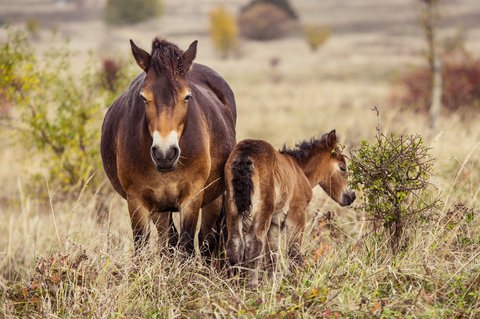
(261, 153)
(215, 99)
(204, 76)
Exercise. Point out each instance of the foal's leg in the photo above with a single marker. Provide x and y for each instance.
(295, 226)
(273, 238)
(255, 238)
(139, 218)
(235, 242)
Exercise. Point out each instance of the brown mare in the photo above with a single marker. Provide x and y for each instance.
(165, 142)
(268, 190)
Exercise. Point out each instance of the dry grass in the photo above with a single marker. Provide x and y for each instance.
(56, 260)
(59, 262)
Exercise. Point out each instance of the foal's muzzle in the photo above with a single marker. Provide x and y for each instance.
(348, 197)
(165, 161)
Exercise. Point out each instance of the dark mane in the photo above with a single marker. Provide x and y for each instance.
(302, 149)
(167, 59)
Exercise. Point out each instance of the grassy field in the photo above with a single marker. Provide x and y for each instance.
(57, 260)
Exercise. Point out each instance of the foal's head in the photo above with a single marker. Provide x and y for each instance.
(323, 163)
(166, 94)
(333, 170)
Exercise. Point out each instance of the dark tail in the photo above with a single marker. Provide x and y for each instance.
(242, 170)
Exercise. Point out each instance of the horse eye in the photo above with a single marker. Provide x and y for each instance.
(187, 97)
(144, 99)
(343, 168)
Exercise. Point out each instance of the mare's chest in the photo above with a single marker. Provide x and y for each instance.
(164, 197)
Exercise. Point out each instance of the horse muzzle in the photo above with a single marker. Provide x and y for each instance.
(348, 197)
(165, 161)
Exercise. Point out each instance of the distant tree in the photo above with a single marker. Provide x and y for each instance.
(429, 20)
(264, 21)
(131, 11)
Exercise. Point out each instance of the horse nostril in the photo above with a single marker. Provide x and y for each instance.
(352, 196)
(348, 198)
(155, 152)
(172, 153)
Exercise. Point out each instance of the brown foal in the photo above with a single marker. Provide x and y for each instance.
(269, 190)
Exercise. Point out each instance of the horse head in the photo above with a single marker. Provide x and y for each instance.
(165, 92)
(335, 181)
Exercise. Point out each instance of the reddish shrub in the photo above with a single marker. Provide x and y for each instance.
(110, 70)
(461, 84)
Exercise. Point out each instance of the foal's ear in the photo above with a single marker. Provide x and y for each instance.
(331, 139)
(141, 56)
(190, 54)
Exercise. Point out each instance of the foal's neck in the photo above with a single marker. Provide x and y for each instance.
(313, 166)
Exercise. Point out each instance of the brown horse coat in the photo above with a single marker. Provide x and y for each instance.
(165, 142)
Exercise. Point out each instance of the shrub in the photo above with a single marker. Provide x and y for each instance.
(109, 73)
(264, 21)
(284, 5)
(15, 49)
(131, 11)
(394, 173)
(315, 35)
(461, 84)
(114, 76)
(223, 30)
(33, 26)
(58, 112)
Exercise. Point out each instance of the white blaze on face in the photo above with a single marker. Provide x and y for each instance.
(164, 143)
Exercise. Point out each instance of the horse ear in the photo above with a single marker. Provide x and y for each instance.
(141, 56)
(190, 55)
(331, 139)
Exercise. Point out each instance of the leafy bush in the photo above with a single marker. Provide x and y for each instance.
(131, 11)
(11, 52)
(33, 26)
(58, 112)
(315, 35)
(223, 30)
(461, 84)
(394, 174)
(264, 21)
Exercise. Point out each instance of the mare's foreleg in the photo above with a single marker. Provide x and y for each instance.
(209, 235)
(167, 234)
(189, 212)
(139, 218)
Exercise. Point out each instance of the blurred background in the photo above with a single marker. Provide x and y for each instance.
(298, 69)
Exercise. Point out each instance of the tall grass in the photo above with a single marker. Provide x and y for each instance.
(59, 261)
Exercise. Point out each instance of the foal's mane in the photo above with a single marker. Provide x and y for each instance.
(167, 58)
(303, 149)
